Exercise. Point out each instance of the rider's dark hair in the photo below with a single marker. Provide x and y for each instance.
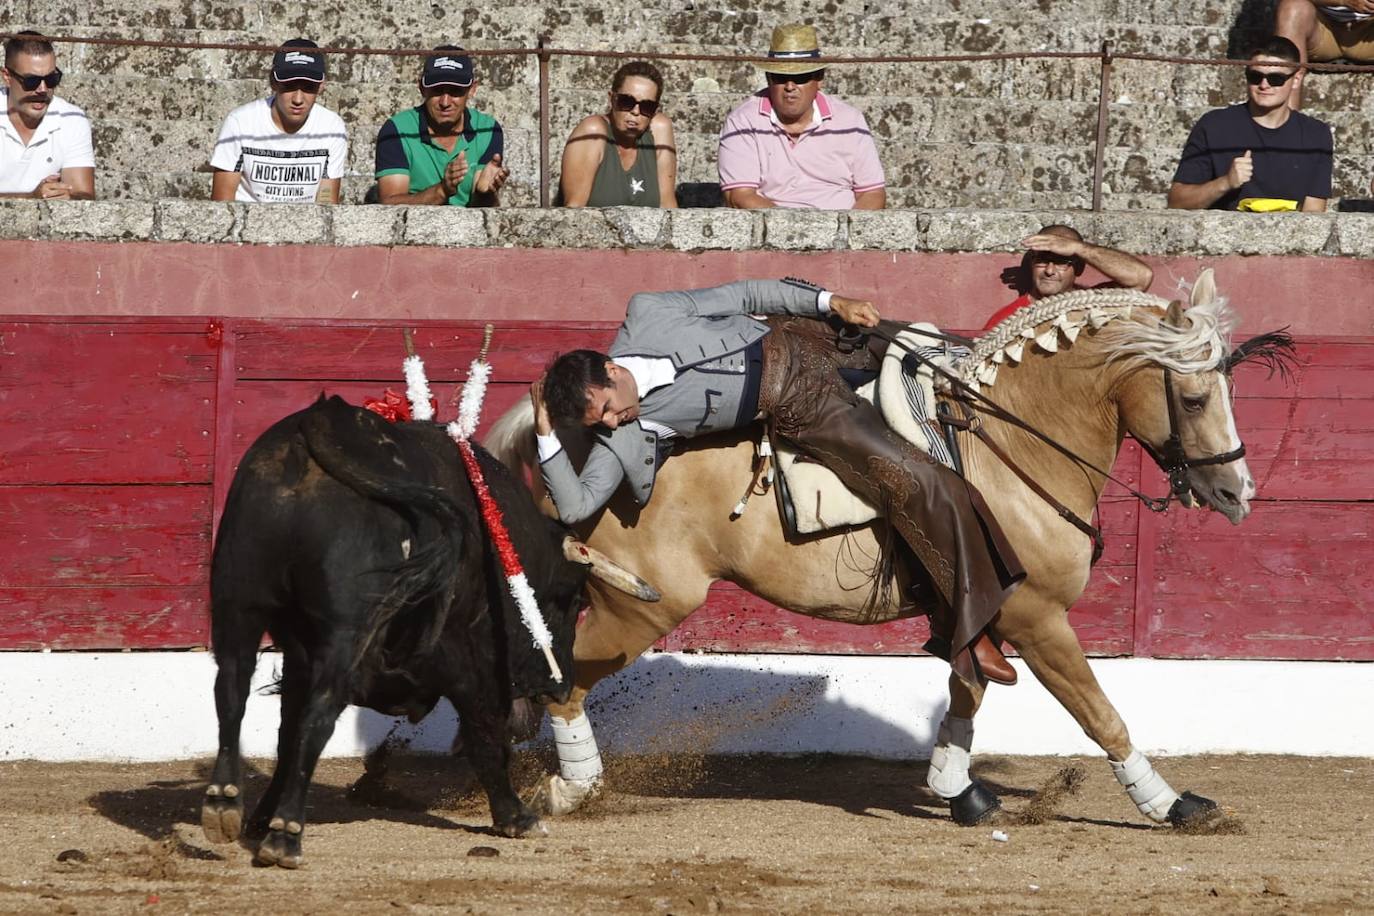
(566, 383)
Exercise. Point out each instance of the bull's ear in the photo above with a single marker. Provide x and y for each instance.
(1205, 289)
(1174, 316)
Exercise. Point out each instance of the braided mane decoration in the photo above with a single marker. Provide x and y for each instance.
(1203, 343)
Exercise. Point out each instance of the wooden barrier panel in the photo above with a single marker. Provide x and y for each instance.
(118, 439)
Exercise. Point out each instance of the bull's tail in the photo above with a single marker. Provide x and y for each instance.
(511, 438)
(443, 526)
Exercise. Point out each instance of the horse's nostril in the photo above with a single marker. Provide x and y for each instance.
(1228, 496)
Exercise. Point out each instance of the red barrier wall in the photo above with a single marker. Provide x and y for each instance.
(119, 435)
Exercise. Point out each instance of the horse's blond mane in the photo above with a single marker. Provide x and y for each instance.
(1201, 343)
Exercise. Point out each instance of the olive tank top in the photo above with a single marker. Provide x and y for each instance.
(614, 187)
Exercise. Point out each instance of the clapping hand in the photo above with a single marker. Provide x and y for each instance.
(492, 176)
(454, 173)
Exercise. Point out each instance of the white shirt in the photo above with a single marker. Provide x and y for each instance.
(649, 372)
(62, 140)
(277, 167)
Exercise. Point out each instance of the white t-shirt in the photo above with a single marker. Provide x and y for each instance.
(277, 167)
(62, 140)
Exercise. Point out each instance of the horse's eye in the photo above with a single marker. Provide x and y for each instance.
(1194, 403)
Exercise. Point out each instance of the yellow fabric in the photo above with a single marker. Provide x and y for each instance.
(1266, 205)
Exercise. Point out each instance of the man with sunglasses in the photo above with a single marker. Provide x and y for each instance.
(1260, 155)
(791, 145)
(1056, 257)
(45, 141)
(284, 148)
(443, 151)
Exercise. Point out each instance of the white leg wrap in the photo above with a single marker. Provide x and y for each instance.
(1151, 794)
(948, 775)
(579, 761)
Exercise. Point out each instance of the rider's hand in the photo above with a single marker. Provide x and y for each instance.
(542, 425)
(854, 311)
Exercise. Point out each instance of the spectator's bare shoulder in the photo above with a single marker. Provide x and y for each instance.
(591, 127)
(662, 129)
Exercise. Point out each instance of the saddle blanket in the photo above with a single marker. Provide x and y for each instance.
(820, 501)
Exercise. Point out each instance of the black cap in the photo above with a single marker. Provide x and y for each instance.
(298, 61)
(449, 66)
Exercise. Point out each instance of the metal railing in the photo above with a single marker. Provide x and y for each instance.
(544, 54)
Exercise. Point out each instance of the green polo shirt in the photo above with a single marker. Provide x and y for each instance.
(405, 147)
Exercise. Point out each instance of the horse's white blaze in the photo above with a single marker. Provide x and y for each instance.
(1242, 468)
(579, 759)
(1151, 794)
(949, 762)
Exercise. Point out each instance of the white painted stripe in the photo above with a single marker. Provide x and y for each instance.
(159, 706)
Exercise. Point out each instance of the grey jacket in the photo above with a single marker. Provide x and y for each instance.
(704, 330)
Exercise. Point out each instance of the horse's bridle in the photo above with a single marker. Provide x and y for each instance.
(1171, 457)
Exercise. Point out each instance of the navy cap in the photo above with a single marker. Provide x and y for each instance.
(449, 66)
(298, 60)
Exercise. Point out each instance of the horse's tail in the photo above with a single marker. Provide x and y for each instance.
(511, 441)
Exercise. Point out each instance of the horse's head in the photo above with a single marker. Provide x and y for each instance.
(1178, 400)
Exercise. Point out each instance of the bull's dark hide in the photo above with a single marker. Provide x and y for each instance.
(358, 546)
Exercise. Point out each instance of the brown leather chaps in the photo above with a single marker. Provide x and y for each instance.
(939, 515)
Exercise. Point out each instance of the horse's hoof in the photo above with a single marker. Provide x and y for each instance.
(556, 796)
(974, 806)
(221, 817)
(526, 824)
(281, 848)
(1193, 811)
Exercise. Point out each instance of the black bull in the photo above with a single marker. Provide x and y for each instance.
(358, 546)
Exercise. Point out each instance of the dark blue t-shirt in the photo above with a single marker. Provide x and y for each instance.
(1291, 162)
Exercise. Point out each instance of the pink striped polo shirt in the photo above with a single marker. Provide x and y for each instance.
(823, 168)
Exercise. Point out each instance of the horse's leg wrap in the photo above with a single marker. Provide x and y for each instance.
(578, 757)
(579, 765)
(1151, 794)
(948, 774)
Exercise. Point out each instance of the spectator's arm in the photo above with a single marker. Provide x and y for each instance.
(224, 185)
(329, 191)
(869, 180)
(1314, 205)
(747, 199)
(393, 173)
(665, 156)
(56, 187)
(331, 185)
(1124, 269)
(581, 158)
(395, 189)
(875, 199)
(737, 162)
(1197, 196)
(80, 182)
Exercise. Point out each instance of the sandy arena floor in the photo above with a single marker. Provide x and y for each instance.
(699, 835)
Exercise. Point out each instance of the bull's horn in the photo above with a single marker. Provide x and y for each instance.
(608, 571)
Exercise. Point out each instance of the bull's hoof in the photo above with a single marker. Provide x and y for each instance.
(556, 796)
(221, 814)
(525, 824)
(974, 806)
(1193, 811)
(281, 847)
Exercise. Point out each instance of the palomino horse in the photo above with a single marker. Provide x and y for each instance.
(1085, 368)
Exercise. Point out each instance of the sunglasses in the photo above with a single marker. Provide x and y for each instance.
(30, 83)
(779, 79)
(1255, 77)
(626, 102)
